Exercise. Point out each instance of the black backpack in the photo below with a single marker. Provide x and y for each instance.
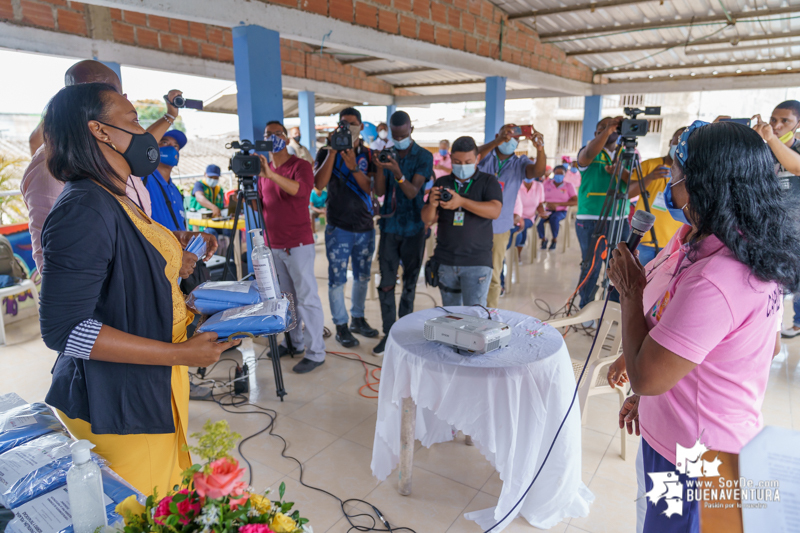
(9, 264)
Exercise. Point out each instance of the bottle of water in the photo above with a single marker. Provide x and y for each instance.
(264, 268)
(85, 489)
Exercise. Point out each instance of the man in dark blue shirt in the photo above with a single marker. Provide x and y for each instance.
(402, 183)
(165, 198)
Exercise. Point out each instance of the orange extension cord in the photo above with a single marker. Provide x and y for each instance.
(367, 374)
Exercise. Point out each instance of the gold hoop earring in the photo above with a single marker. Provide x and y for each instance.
(113, 147)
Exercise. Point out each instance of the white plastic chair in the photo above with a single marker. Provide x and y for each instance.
(594, 380)
(24, 286)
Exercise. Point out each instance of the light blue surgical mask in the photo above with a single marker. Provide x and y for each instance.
(558, 178)
(403, 144)
(529, 180)
(508, 147)
(672, 149)
(464, 172)
(442, 152)
(676, 212)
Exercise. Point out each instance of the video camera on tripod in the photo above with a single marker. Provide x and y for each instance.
(245, 164)
(633, 127)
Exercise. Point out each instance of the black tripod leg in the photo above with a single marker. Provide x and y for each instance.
(276, 367)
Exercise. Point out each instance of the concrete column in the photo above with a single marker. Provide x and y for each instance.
(495, 107)
(257, 61)
(390, 109)
(592, 111)
(116, 67)
(308, 131)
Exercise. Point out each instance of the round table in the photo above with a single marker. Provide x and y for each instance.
(510, 401)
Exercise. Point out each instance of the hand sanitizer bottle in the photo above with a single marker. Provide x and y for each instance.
(264, 268)
(85, 489)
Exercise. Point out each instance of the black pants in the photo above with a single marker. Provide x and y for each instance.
(392, 250)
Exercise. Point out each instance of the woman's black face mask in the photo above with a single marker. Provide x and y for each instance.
(142, 154)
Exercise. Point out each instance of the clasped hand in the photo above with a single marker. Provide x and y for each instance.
(626, 273)
(436, 199)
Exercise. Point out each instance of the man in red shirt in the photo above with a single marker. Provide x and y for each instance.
(285, 187)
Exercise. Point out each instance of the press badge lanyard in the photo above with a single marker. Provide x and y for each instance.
(458, 216)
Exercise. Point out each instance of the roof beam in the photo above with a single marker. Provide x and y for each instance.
(425, 99)
(311, 28)
(704, 42)
(439, 84)
(591, 6)
(729, 49)
(408, 70)
(737, 17)
(701, 65)
(700, 83)
(359, 60)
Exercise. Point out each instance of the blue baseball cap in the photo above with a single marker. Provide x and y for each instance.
(179, 137)
(212, 170)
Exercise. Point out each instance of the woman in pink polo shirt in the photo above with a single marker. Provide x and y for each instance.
(700, 327)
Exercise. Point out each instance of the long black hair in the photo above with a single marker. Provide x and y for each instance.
(72, 151)
(735, 195)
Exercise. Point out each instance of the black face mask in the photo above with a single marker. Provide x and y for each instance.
(142, 154)
(297, 138)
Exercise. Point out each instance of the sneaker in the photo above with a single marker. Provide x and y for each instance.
(790, 333)
(378, 350)
(306, 365)
(502, 292)
(344, 337)
(283, 351)
(360, 326)
(544, 244)
(553, 245)
(199, 394)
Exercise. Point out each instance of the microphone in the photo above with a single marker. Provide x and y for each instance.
(641, 223)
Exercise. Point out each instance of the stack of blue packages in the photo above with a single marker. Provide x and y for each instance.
(49, 513)
(35, 468)
(10, 400)
(263, 318)
(215, 296)
(25, 423)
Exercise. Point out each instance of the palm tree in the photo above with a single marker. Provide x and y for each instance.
(12, 208)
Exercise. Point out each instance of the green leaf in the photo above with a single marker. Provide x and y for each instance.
(302, 521)
(173, 509)
(282, 490)
(178, 498)
(286, 506)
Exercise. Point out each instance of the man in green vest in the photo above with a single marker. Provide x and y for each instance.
(595, 162)
(207, 193)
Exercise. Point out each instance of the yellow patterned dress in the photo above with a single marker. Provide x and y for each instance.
(147, 461)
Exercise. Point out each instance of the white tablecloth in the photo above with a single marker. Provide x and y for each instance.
(510, 401)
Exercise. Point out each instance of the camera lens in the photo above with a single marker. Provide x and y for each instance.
(179, 101)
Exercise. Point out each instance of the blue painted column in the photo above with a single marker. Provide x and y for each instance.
(390, 109)
(592, 111)
(259, 94)
(116, 67)
(308, 130)
(259, 97)
(495, 107)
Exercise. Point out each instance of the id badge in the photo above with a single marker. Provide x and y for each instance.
(458, 218)
(659, 202)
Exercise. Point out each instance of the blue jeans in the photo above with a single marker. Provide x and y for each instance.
(554, 220)
(340, 246)
(472, 281)
(584, 230)
(654, 520)
(646, 254)
(796, 306)
(523, 233)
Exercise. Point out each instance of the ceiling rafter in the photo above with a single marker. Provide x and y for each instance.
(591, 6)
(700, 65)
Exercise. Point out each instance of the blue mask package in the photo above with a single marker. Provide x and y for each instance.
(264, 318)
(213, 297)
(25, 423)
(50, 513)
(36, 468)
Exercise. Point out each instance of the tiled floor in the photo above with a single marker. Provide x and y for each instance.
(329, 427)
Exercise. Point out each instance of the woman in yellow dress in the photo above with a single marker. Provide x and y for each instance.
(110, 302)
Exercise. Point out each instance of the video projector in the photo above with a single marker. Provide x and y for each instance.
(468, 333)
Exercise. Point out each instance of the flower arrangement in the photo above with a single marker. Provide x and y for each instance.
(212, 498)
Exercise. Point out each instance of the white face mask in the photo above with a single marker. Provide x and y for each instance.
(212, 182)
(383, 134)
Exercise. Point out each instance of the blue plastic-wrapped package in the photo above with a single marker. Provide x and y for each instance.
(9, 401)
(25, 423)
(49, 513)
(263, 318)
(215, 296)
(35, 468)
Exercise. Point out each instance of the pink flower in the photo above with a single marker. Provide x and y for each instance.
(239, 495)
(225, 476)
(255, 528)
(184, 508)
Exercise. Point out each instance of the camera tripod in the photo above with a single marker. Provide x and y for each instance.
(248, 202)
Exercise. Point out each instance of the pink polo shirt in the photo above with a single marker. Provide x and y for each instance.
(573, 178)
(439, 159)
(558, 193)
(529, 200)
(710, 310)
(40, 190)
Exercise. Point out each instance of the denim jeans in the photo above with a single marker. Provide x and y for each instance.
(584, 230)
(523, 233)
(554, 220)
(340, 247)
(394, 250)
(646, 254)
(796, 306)
(473, 281)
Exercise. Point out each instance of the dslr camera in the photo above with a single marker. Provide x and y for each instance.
(341, 138)
(633, 127)
(245, 164)
(446, 195)
(386, 153)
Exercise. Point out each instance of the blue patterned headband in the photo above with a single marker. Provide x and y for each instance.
(682, 152)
